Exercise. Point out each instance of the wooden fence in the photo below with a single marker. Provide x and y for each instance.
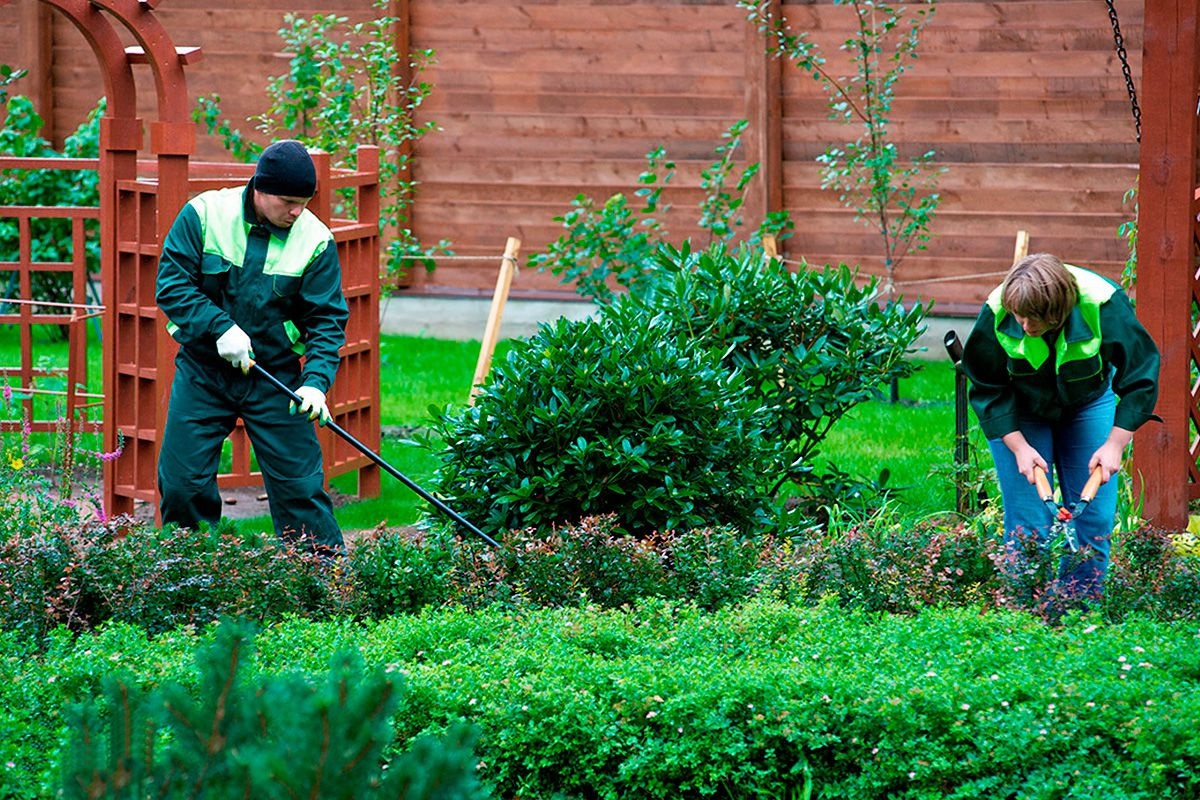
(540, 100)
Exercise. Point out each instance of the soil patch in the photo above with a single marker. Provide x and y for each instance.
(239, 502)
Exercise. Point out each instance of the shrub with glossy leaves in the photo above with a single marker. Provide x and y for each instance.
(614, 415)
(400, 571)
(808, 344)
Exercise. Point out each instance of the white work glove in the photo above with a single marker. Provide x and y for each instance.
(234, 346)
(312, 403)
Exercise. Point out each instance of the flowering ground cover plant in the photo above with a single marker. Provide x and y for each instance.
(49, 475)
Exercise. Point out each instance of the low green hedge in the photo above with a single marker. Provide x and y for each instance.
(763, 699)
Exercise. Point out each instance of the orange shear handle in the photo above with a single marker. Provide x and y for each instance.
(1089, 489)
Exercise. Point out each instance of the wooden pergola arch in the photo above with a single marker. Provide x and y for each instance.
(130, 421)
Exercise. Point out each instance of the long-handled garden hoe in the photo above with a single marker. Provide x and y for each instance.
(378, 459)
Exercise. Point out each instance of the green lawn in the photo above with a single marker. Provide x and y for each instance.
(912, 439)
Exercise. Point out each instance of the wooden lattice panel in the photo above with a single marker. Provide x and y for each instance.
(138, 342)
(354, 401)
(20, 306)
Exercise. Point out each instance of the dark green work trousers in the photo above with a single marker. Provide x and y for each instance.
(206, 401)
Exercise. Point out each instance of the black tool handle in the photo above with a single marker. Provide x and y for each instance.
(378, 459)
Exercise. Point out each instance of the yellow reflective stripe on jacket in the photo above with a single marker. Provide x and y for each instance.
(225, 230)
(1094, 291)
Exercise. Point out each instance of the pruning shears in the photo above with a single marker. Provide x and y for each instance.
(1064, 518)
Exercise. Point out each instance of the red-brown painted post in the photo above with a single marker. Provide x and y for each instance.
(369, 475)
(1164, 465)
(322, 201)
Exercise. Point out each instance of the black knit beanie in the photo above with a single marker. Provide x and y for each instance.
(285, 168)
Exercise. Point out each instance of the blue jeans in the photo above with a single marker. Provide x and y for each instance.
(1066, 445)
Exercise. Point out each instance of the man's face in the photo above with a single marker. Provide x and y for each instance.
(279, 210)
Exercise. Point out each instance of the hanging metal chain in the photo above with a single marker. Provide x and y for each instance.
(1119, 43)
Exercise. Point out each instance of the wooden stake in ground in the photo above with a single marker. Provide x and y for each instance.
(1021, 248)
(769, 247)
(491, 332)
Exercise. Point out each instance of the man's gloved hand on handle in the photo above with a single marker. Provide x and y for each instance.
(313, 403)
(234, 346)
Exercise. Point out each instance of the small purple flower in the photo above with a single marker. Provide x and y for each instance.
(7, 393)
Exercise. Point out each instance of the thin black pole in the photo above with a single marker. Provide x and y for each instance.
(378, 459)
(954, 349)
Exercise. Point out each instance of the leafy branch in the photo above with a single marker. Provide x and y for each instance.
(610, 243)
(893, 195)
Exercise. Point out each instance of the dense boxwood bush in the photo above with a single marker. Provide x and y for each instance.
(808, 343)
(615, 415)
(661, 700)
(766, 699)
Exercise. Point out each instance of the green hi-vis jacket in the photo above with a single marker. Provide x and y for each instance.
(1047, 377)
(283, 287)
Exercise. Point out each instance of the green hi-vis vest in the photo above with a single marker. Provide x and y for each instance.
(223, 222)
(1094, 291)
(225, 229)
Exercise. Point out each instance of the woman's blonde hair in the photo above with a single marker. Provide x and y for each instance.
(1041, 288)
